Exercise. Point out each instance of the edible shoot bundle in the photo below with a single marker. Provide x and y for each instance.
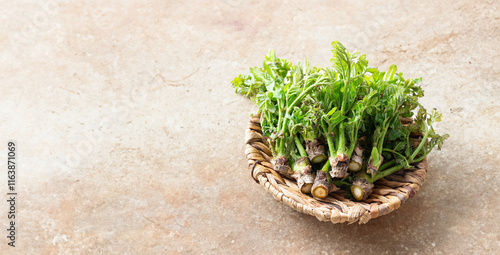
(341, 127)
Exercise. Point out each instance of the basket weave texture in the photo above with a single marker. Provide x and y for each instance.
(388, 194)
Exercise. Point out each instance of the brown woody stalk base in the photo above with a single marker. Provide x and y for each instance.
(303, 175)
(321, 187)
(281, 165)
(361, 189)
(339, 166)
(316, 151)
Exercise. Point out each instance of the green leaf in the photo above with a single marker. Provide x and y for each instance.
(331, 111)
(393, 135)
(400, 146)
(336, 118)
(278, 94)
(390, 73)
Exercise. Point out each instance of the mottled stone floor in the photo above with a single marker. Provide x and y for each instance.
(131, 139)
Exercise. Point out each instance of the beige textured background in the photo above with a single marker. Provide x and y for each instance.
(131, 139)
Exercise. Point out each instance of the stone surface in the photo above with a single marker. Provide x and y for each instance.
(131, 139)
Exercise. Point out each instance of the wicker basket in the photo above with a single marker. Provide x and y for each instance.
(388, 194)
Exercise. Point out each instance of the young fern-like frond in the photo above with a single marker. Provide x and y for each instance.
(341, 59)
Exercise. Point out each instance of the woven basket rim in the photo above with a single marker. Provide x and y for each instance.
(388, 194)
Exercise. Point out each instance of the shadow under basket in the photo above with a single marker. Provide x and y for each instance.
(388, 194)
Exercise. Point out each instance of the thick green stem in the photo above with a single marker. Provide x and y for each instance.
(341, 140)
(281, 148)
(344, 101)
(326, 166)
(421, 158)
(331, 146)
(353, 144)
(386, 165)
(338, 183)
(301, 149)
(382, 174)
(380, 144)
(422, 143)
(340, 161)
(279, 118)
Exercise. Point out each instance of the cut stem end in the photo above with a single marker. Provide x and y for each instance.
(319, 159)
(354, 166)
(361, 189)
